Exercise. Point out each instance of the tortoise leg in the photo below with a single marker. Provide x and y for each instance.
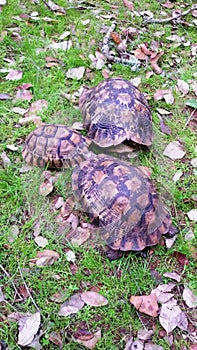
(171, 232)
(113, 254)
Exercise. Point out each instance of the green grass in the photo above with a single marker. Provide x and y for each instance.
(21, 204)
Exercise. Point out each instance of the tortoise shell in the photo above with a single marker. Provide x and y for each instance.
(115, 111)
(123, 201)
(56, 146)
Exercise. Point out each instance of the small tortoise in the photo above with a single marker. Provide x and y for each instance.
(115, 111)
(55, 146)
(123, 201)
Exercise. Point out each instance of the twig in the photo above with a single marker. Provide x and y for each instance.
(28, 291)
(169, 19)
(56, 8)
(133, 61)
(190, 117)
(13, 285)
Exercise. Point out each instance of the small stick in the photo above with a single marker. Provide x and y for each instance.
(169, 19)
(190, 117)
(28, 291)
(105, 51)
(13, 285)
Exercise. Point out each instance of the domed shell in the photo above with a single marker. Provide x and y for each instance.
(55, 146)
(115, 111)
(123, 201)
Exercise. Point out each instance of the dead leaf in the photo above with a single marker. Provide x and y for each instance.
(71, 306)
(116, 38)
(60, 296)
(5, 160)
(46, 187)
(175, 38)
(12, 148)
(192, 215)
(70, 256)
(146, 304)
(171, 316)
(168, 5)
(193, 347)
(64, 35)
(151, 346)
(194, 162)
(13, 233)
(14, 75)
(181, 258)
(163, 111)
(41, 241)
(77, 126)
(76, 73)
(24, 95)
(19, 110)
(144, 334)
(89, 340)
(174, 150)
(156, 68)
(177, 175)
(136, 81)
(140, 54)
(105, 73)
(164, 94)
(94, 299)
(183, 86)
(189, 297)
(128, 4)
(164, 127)
(1, 296)
(64, 46)
(56, 338)
(173, 275)
(28, 327)
(4, 96)
(32, 119)
(73, 220)
(37, 106)
(67, 207)
(46, 257)
(79, 236)
(54, 7)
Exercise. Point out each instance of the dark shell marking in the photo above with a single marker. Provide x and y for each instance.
(55, 146)
(115, 111)
(123, 201)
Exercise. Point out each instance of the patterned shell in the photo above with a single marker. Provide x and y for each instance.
(115, 111)
(56, 146)
(123, 201)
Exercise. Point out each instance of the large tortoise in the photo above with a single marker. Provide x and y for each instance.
(123, 201)
(55, 146)
(115, 111)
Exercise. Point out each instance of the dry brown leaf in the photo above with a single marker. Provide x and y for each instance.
(192, 215)
(14, 75)
(174, 150)
(140, 54)
(79, 236)
(24, 95)
(46, 187)
(164, 94)
(4, 96)
(164, 127)
(171, 316)
(116, 38)
(75, 73)
(183, 86)
(144, 334)
(189, 297)
(146, 304)
(71, 306)
(41, 241)
(156, 68)
(94, 299)
(89, 340)
(54, 7)
(67, 207)
(5, 160)
(46, 257)
(151, 346)
(145, 50)
(128, 4)
(56, 338)
(173, 276)
(28, 327)
(59, 297)
(37, 106)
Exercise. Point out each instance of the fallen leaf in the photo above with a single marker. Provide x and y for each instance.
(64, 46)
(13, 233)
(174, 150)
(173, 275)
(1, 295)
(89, 340)
(46, 257)
(79, 236)
(24, 95)
(28, 327)
(139, 54)
(54, 7)
(22, 290)
(177, 175)
(58, 202)
(193, 346)
(4, 96)
(136, 81)
(168, 5)
(5, 160)
(175, 38)
(70, 256)
(56, 338)
(67, 207)
(189, 235)
(41, 241)
(151, 346)
(73, 220)
(32, 119)
(163, 111)
(12, 148)
(14, 75)
(60, 296)
(46, 187)
(183, 86)
(93, 299)
(164, 127)
(19, 110)
(171, 316)
(192, 215)
(189, 297)
(64, 35)
(128, 4)
(105, 73)
(181, 258)
(71, 306)
(77, 126)
(37, 106)
(76, 73)
(162, 292)
(145, 334)
(146, 304)
(116, 38)
(156, 68)
(164, 94)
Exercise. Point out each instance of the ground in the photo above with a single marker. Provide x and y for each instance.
(25, 213)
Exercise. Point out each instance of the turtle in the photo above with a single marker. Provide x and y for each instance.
(122, 200)
(55, 146)
(115, 111)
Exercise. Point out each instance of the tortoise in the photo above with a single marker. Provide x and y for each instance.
(122, 200)
(55, 146)
(115, 111)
